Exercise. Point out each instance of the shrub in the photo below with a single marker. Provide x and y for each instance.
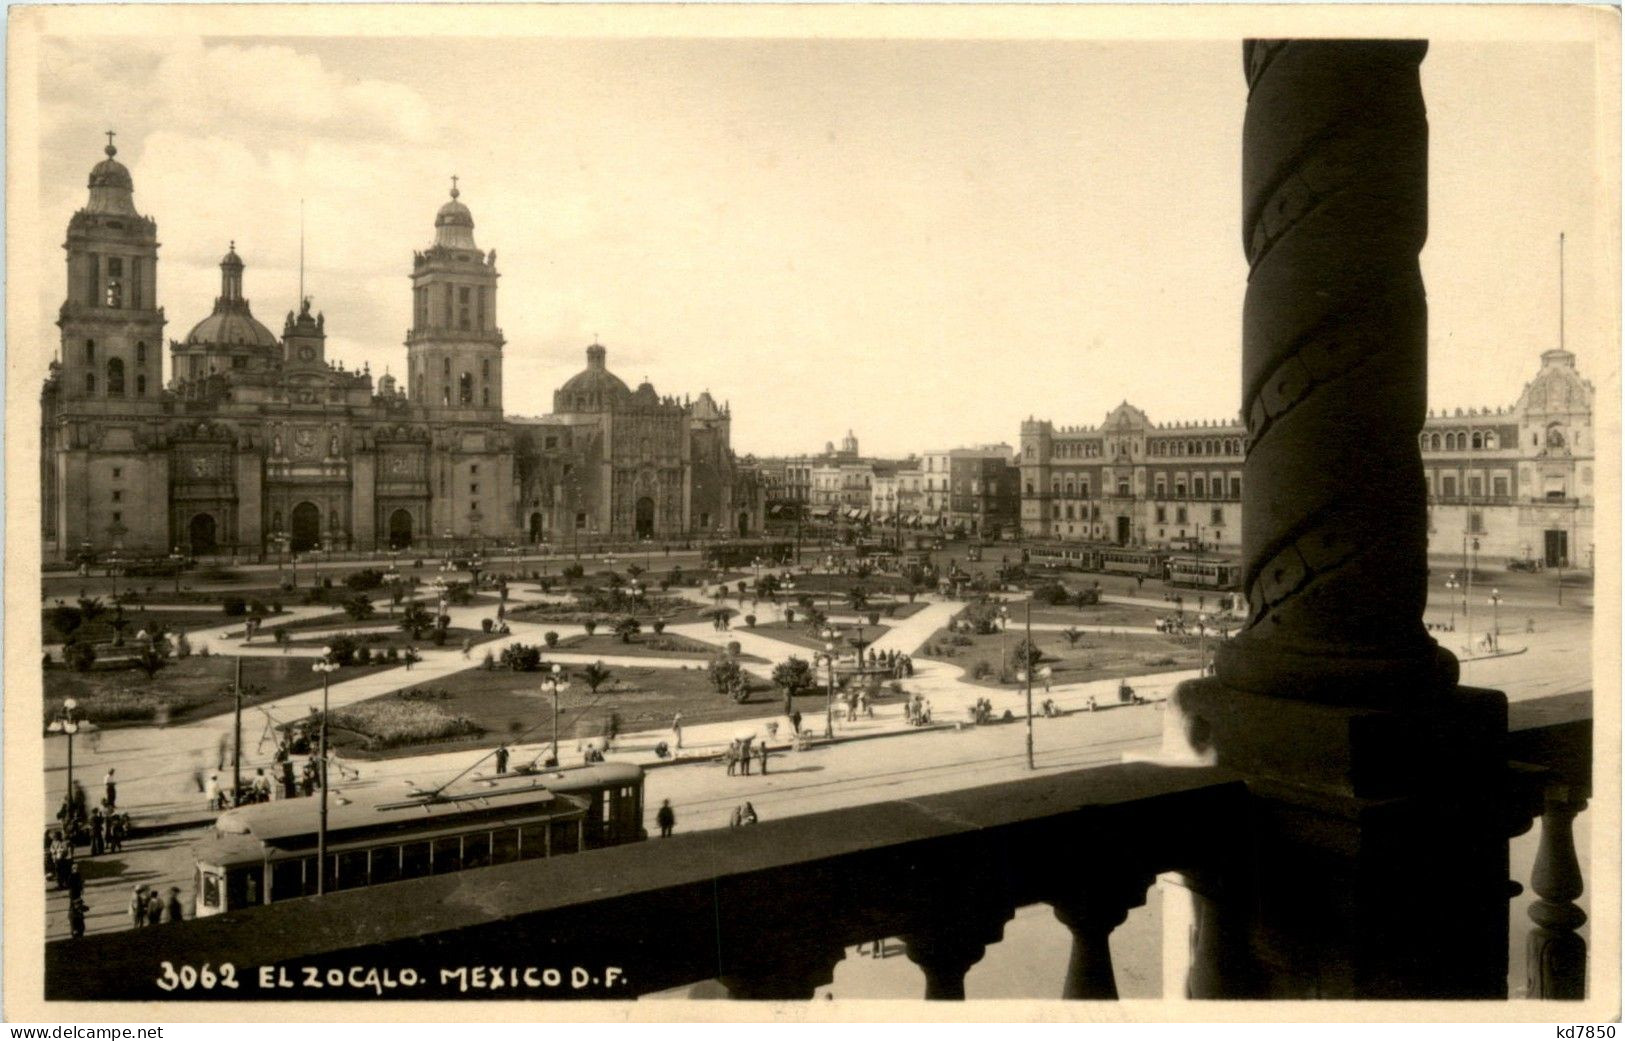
(794, 675)
(1024, 655)
(627, 628)
(256, 607)
(489, 662)
(401, 720)
(1051, 593)
(366, 578)
(1086, 597)
(658, 626)
(414, 620)
(750, 621)
(392, 655)
(234, 606)
(183, 646)
(981, 671)
(789, 616)
(520, 657)
(443, 622)
(438, 637)
(571, 572)
(591, 625)
(79, 656)
(551, 638)
(729, 679)
(733, 648)
(486, 625)
(276, 607)
(363, 655)
(961, 640)
(359, 607)
(343, 649)
(874, 617)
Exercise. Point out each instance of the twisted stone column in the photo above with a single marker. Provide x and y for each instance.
(1334, 383)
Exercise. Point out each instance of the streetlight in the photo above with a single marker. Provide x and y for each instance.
(1004, 630)
(176, 559)
(1495, 629)
(392, 578)
(68, 721)
(440, 589)
(326, 666)
(1452, 585)
(829, 635)
(555, 684)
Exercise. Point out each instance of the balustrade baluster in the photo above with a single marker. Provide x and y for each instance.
(1091, 914)
(1556, 951)
(946, 949)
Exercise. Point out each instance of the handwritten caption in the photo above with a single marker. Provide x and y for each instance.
(362, 979)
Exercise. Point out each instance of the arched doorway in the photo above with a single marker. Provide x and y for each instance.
(200, 533)
(306, 525)
(744, 524)
(400, 529)
(537, 534)
(645, 517)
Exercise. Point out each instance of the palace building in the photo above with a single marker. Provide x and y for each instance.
(259, 443)
(1511, 482)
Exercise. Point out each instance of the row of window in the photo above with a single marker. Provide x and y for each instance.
(465, 384)
(1199, 487)
(461, 302)
(1232, 446)
(1460, 441)
(115, 380)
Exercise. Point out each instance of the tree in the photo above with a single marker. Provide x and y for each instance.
(359, 607)
(627, 628)
(858, 597)
(81, 656)
(1024, 655)
(551, 638)
(793, 675)
(415, 619)
(1073, 635)
(658, 625)
(591, 625)
(594, 676)
(729, 679)
(767, 585)
(90, 609)
(634, 571)
(150, 659)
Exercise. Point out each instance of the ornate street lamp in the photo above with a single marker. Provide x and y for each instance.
(554, 684)
(1495, 629)
(1452, 585)
(829, 697)
(326, 666)
(69, 720)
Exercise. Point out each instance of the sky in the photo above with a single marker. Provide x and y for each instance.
(924, 241)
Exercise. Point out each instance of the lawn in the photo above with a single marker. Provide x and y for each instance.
(1129, 615)
(1095, 655)
(509, 706)
(189, 689)
(645, 645)
(101, 629)
(797, 634)
(383, 637)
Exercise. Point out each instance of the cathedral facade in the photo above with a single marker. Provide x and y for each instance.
(259, 444)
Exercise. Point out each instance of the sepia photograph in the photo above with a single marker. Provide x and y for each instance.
(812, 513)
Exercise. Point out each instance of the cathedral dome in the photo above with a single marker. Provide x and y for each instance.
(593, 389)
(454, 223)
(232, 323)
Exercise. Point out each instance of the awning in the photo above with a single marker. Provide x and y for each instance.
(861, 514)
(823, 511)
(930, 518)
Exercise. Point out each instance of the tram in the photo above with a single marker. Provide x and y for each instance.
(1074, 556)
(1122, 560)
(1203, 572)
(266, 852)
(743, 554)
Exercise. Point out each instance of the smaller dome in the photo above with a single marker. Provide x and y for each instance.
(231, 259)
(454, 223)
(230, 328)
(111, 187)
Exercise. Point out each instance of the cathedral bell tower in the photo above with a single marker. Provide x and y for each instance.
(112, 327)
(454, 349)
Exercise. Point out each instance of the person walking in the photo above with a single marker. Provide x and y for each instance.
(111, 796)
(76, 919)
(677, 731)
(138, 906)
(744, 757)
(155, 908)
(98, 832)
(173, 911)
(731, 757)
(212, 793)
(762, 750)
(468, 645)
(76, 884)
(666, 818)
(502, 759)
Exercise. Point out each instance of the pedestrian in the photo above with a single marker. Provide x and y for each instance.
(744, 757)
(262, 786)
(468, 645)
(502, 759)
(677, 731)
(795, 720)
(665, 818)
(736, 818)
(762, 749)
(731, 757)
(76, 883)
(173, 911)
(97, 835)
(62, 858)
(411, 656)
(155, 908)
(50, 855)
(212, 792)
(220, 752)
(747, 815)
(138, 906)
(76, 918)
(112, 789)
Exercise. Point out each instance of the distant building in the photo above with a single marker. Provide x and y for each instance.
(1517, 481)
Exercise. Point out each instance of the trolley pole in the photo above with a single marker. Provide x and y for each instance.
(237, 733)
(1027, 657)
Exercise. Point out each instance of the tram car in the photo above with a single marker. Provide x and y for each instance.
(266, 852)
(1123, 560)
(745, 553)
(1203, 572)
(1072, 556)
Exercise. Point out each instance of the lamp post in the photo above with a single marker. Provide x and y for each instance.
(1451, 585)
(326, 666)
(440, 589)
(1562, 562)
(1495, 624)
(829, 696)
(68, 721)
(176, 559)
(554, 685)
(1004, 632)
(392, 578)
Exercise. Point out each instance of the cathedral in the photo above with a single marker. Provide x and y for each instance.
(258, 444)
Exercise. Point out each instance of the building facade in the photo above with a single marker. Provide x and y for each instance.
(1508, 483)
(261, 444)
